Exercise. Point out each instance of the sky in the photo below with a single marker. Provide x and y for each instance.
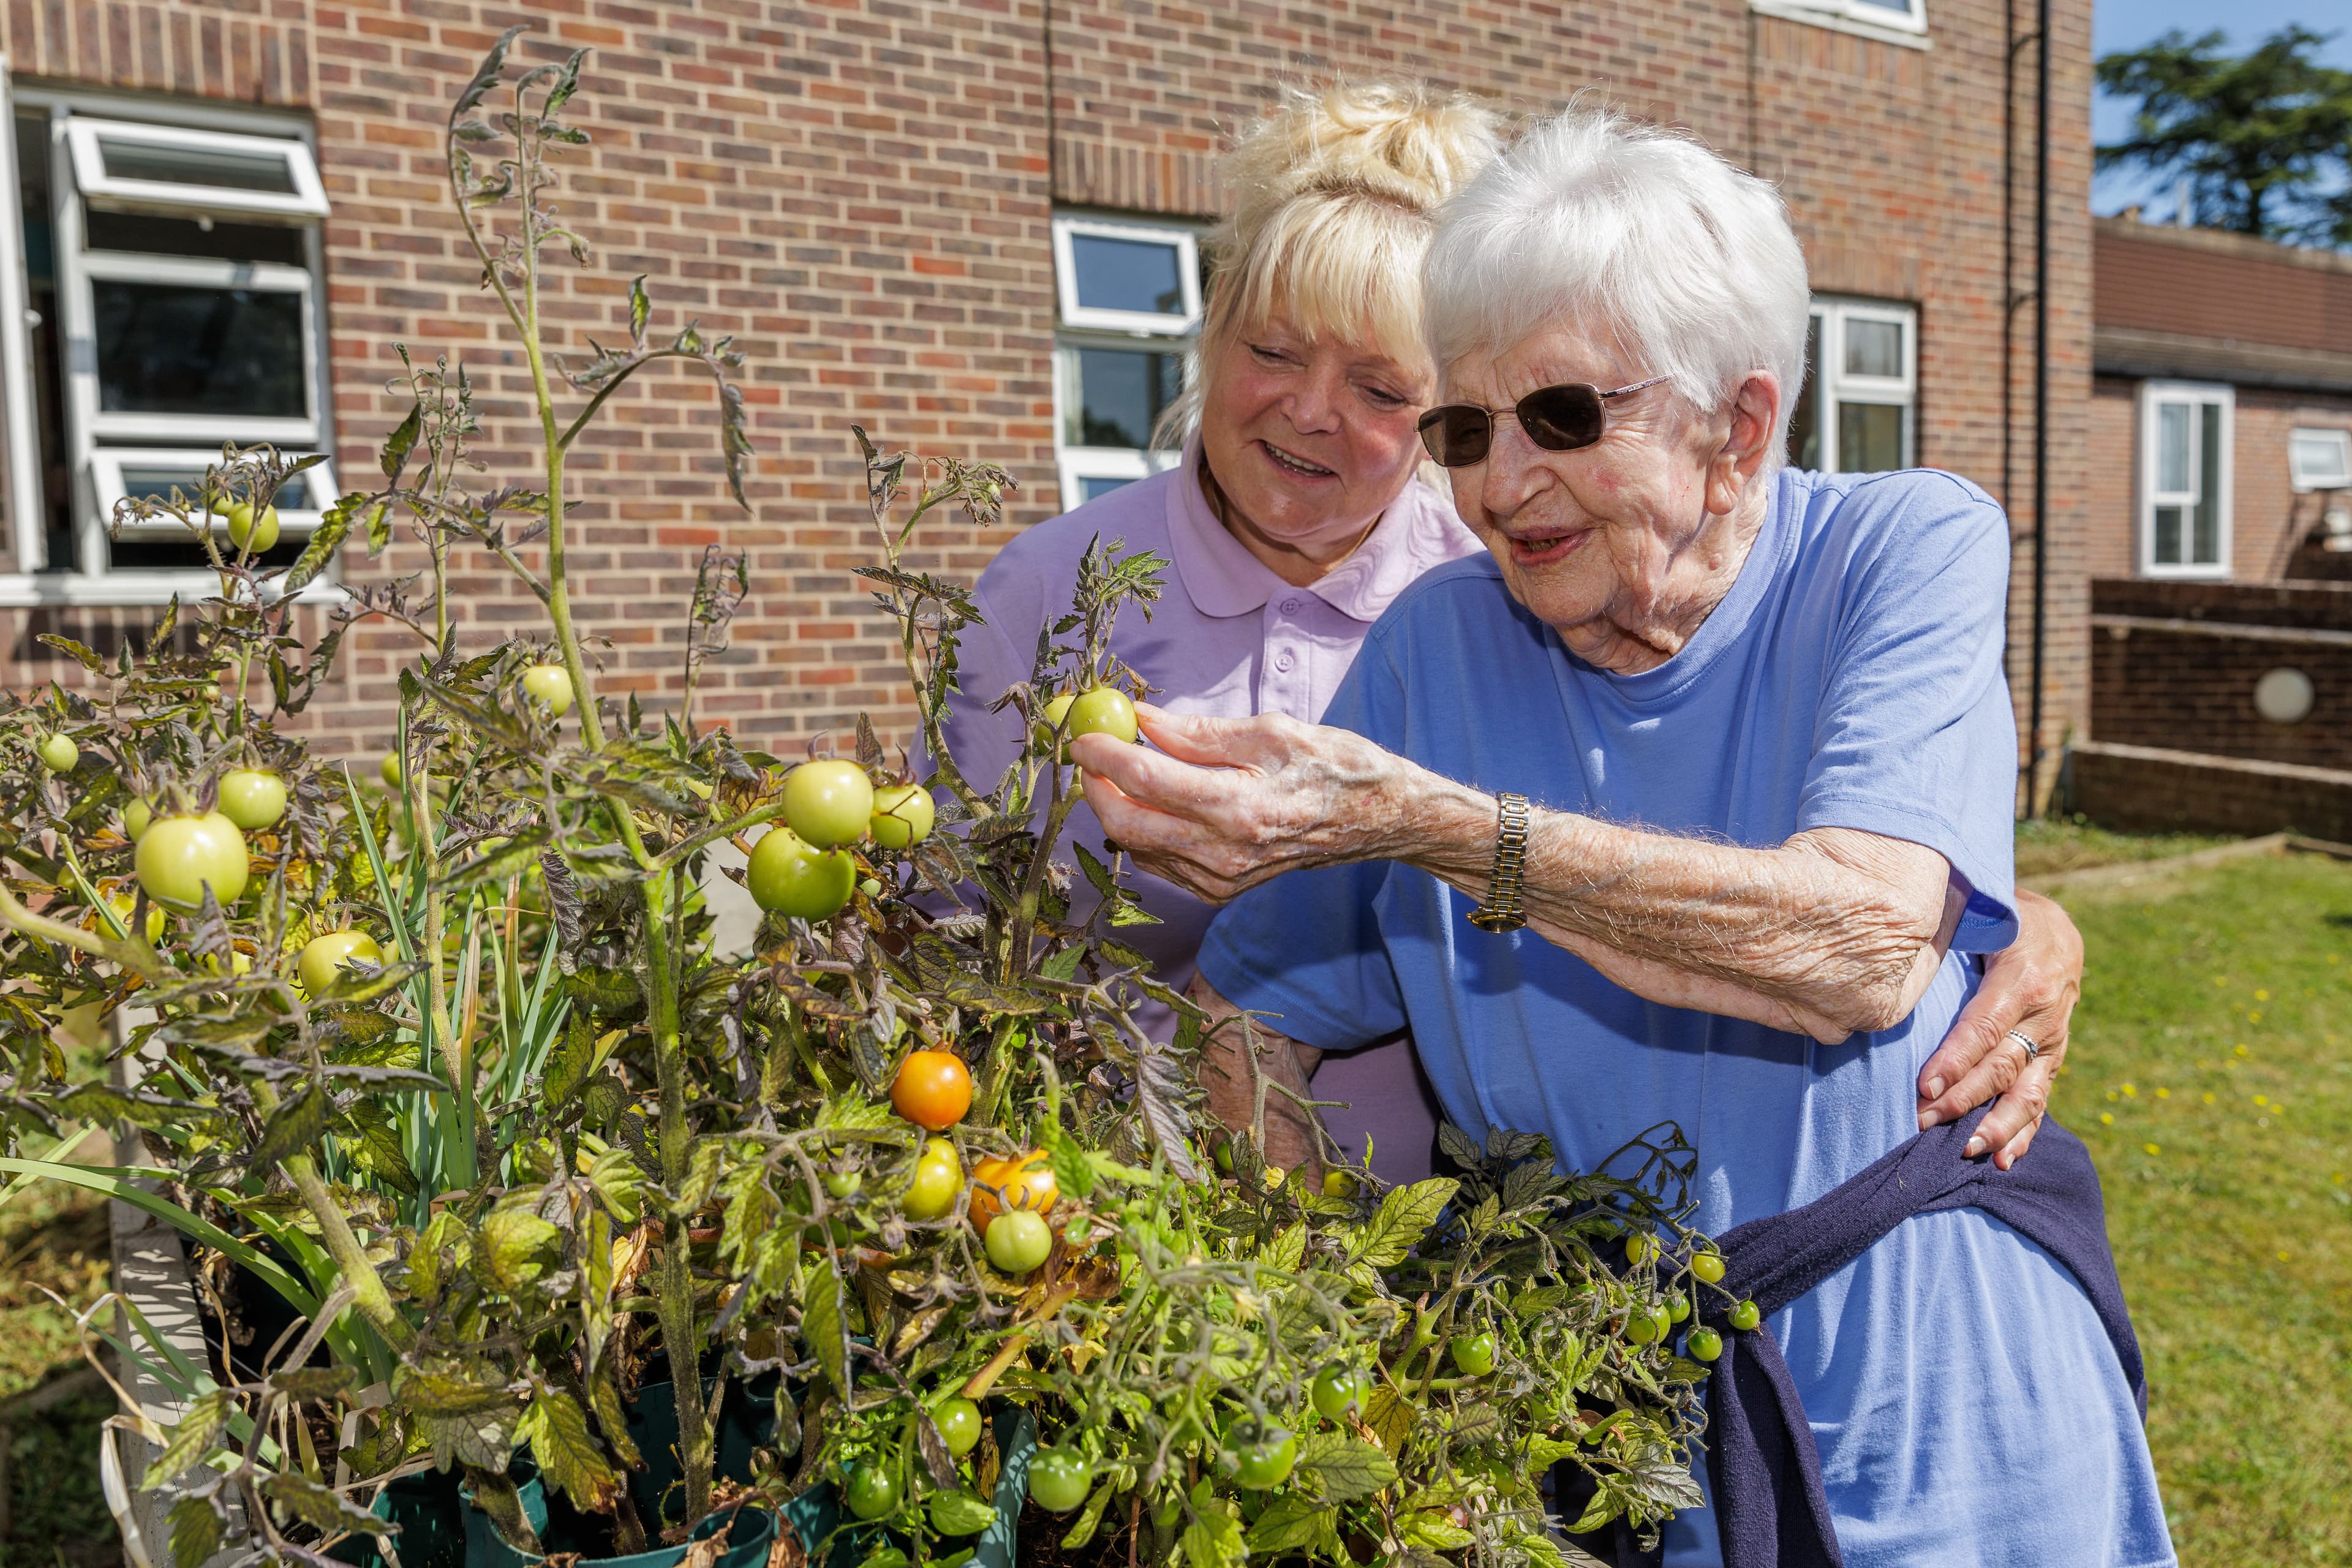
(2129, 24)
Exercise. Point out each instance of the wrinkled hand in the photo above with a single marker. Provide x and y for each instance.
(1226, 804)
(2031, 986)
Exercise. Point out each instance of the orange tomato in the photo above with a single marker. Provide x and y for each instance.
(933, 1089)
(1020, 1182)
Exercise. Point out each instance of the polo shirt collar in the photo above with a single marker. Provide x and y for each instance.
(1223, 579)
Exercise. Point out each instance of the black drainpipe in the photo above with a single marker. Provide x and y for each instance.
(2040, 405)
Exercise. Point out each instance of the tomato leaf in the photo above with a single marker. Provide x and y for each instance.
(1213, 1540)
(557, 1430)
(1348, 1468)
(321, 1508)
(822, 1326)
(207, 1413)
(295, 1126)
(1434, 1531)
(511, 1250)
(197, 1530)
(1287, 1524)
(961, 1513)
(1404, 1218)
(401, 442)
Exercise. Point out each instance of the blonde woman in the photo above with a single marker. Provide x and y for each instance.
(1296, 517)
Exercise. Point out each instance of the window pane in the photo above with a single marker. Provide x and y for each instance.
(169, 348)
(148, 235)
(2208, 520)
(1091, 487)
(1804, 421)
(1874, 348)
(156, 483)
(1900, 8)
(1870, 437)
(1127, 274)
(2172, 448)
(2318, 458)
(226, 171)
(2166, 548)
(1120, 396)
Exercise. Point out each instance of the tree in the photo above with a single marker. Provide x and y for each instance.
(2258, 137)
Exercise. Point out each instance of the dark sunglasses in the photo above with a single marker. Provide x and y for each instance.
(1556, 418)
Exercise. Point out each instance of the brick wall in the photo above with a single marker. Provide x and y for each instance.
(2175, 665)
(862, 193)
(2153, 790)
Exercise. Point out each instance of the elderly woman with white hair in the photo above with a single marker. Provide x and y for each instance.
(1295, 519)
(1691, 801)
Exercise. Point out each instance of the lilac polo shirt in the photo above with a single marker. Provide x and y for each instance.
(1228, 638)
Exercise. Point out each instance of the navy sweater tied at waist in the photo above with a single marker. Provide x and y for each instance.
(1771, 1510)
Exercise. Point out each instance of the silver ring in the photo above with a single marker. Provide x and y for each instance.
(2023, 1038)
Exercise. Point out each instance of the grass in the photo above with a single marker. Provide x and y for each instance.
(2211, 1077)
(2051, 845)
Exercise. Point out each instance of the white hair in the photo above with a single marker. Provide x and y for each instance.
(1689, 263)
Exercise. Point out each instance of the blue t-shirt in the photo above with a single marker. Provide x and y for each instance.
(1967, 1405)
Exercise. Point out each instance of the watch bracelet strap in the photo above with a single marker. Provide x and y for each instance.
(1507, 882)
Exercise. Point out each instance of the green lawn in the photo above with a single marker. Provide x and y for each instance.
(2211, 1076)
(2062, 843)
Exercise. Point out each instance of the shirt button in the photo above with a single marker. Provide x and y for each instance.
(1291, 607)
(1283, 662)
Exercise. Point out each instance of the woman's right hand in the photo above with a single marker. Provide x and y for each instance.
(2031, 986)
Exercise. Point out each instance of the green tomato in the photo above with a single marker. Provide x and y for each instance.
(135, 818)
(844, 1184)
(1473, 1353)
(1641, 1328)
(1745, 1316)
(872, 1491)
(1708, 1267)
(902, 817)
(1018, 1240)
(939, 1176)
(1057, 712)
(389, 769)
(1678, 1309)
(1339, 1183)
(248, 532)
(59, 754)
(958, 1419)
(829, 804)
(252, 799)
(1058, 1479)
(1662, 1323)
(1261, 1459)
(180, 856)
(1105, 710)
(1340, 1389)
(790, 878)
(323, 957)
(1640, 1250)
(551, 684)
(1703, 1344)
(1225, 1155)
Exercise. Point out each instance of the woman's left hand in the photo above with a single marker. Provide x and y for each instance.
(2031, 986)
(1226, 804)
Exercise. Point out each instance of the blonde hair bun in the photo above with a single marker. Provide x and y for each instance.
(1398, 142)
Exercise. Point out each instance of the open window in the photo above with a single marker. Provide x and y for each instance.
(2319, 461)
(172, 269)
(123, 166)
(1896, 21)
(2185, 441)
(1130, 295)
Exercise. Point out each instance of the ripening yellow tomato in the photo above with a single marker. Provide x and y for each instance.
(255, 533)
(179, 857)
(252, 798)
(829, 802)
(323, 957)
(551, 684)
(1021, 1182)
(902, 818)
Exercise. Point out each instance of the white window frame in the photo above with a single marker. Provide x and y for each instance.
(90, 579)
(106, 487)
(1186, 243)
(1078, 463)
(77, 300)
(2196, 396)
(1834, 385)
(2305, 481)
(1907, 26)
(309, 198)
(22, 449)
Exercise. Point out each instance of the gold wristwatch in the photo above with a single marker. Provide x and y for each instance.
(1507, 881)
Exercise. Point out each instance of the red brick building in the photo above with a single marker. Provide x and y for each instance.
(955, 224)
(2221, 533)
